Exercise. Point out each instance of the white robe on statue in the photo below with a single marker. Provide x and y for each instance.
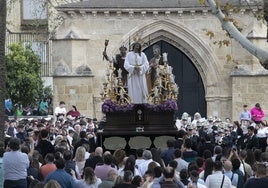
(137, 85)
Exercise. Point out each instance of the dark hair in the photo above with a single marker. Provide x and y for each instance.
(177, 153)
(14, 144)
(207, 154)
(217, 165)
(128, 175)
(67, 155)
(208, 168)
(139, 50)
(257, 105)
(170, 143)
(183, 174)
(199, 161)
(169, 172)
(43, 133)
(136, 181)
(60, 163)
(83, 134)
(139, 152)
(74, 107)
(130, 164)
(188, 143)
(236, 163)
(62, 102)
(173, 164)
(157, 171)
(108, 159)
(50, 157)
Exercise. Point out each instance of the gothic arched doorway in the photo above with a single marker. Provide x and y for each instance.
(191, 97)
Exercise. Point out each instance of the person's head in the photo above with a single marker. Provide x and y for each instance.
(183, 174)
(227, 166)
(173, 164)
(218, 166)
(188, 143)
(177, 153)
(156, 50)
(170, 143)
(199, 161)
(243, 154)
(123, 51)
(137, 47)
(139, 152)
(60, 163)
(236, 164)
(44, 133)
(80, 154)
(194, 175)
(119, 156)
(67, 155)
(52, 184)
(137, 181)
(245, 107)
(157, 172)
(112, 174)
(98, 151)
(49, 158)
(251, 130)
(108, 159)
(62, 104)
(128, 176)
(261, 170)
(14, 144)
(83, 134)
(258, 106)
(217, 150)
(89, 175)
(207, 154)
(147, 155)
(168, 172)
(74, 108)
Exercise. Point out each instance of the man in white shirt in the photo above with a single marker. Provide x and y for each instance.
(217, 179)
(15, 165)
(60, 111)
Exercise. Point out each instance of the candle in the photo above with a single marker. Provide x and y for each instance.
(119, 73)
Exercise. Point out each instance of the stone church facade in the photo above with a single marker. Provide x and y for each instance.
(78, 67)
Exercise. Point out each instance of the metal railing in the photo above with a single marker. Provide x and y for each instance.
(40, 44)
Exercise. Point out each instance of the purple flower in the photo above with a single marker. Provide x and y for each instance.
(168, 106)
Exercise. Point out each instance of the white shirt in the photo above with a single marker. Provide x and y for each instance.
(214, 180)
(15, 164)
(59, 110)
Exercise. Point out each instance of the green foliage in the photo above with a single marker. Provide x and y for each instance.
(24, 83)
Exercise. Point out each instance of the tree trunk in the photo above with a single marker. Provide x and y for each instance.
(3, 117)
(228, 26)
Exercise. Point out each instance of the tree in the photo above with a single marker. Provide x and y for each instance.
(3, 117)
(228, 26)
(24, 83)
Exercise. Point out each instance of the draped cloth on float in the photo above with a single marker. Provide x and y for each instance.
(137, 85)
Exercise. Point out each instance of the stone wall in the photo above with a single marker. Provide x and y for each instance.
(249, 89)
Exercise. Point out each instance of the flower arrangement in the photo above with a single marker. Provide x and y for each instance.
(110, 106)
(168, 106)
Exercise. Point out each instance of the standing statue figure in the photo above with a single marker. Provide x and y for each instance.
(118, 63)
(154, 62)
(137, 65)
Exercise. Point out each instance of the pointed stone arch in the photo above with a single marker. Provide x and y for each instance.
(194, 47)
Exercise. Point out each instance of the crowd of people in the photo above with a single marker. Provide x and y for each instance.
(65, 153)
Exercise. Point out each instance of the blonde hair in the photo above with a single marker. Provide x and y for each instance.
(52, 184)
(80, 154)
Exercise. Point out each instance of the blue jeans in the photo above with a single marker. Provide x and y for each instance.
(22, 183)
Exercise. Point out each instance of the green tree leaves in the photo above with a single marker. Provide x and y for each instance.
(24, 83)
